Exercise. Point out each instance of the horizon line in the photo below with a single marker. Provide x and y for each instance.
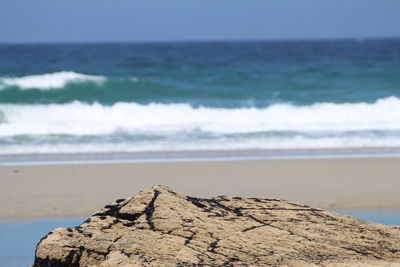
(204, 41)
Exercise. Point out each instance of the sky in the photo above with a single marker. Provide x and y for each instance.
(44, 21)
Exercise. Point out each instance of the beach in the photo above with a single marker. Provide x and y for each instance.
(309, 121)
(78, 190)
(82, 125)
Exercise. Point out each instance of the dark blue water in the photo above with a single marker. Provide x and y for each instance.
(19, 238)
(224, 74)
(199, 96)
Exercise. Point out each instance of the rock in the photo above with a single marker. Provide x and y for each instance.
(159, 227)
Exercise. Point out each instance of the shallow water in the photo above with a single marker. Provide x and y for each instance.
(376, 216)
(19, 238)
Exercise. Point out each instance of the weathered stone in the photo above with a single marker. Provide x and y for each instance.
(159, 227)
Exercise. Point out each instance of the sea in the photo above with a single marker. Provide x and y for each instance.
(199, 96)
(288, 98)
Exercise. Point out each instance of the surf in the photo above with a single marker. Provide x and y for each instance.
(48, 81)
(78, 118)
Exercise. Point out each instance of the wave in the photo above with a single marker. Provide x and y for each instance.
(79, 118)
(56, 80)
(221, 144)
(97, 89)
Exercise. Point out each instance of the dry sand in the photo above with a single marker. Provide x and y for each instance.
(81, 189)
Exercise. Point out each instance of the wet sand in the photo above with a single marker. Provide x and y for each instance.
(70, 190)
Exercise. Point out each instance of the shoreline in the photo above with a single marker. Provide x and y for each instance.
(193, 156)
(78, 190)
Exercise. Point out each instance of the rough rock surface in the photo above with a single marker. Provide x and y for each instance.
(159, 227)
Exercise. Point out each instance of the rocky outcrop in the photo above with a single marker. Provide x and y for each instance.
(159, 227)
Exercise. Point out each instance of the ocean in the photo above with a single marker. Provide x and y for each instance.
(199, 96)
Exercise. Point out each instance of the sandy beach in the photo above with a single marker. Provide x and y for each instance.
(80, 189)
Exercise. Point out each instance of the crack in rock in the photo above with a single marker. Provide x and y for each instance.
(160, 227)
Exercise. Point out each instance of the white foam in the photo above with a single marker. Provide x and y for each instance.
(222, 144)
(49, 81)
(78, 118)
(323, 125)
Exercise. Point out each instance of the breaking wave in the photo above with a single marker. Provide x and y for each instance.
(77, 118)
(56, 80)
(130, 127)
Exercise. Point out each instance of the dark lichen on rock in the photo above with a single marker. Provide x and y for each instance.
(159, 227)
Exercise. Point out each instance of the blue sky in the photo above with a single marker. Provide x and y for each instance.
(38, 21)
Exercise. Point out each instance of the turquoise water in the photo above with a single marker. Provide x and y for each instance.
(199, 96)
(19, 238)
